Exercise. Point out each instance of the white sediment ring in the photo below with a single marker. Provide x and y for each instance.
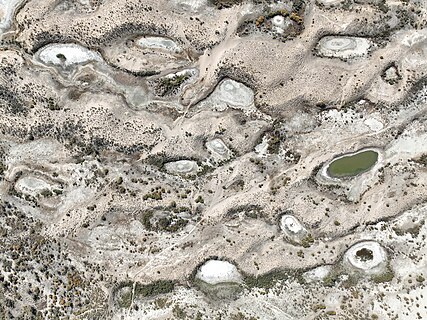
(278, 21)
(289, 224)
(217, 146)
(234, 93)
(32, 185)
(324, 171)
(343, 46)
(218, 271)
(339, 44)
(330, 2)
(181, 166)
(158, 43)
(379, 256)
(73, 54)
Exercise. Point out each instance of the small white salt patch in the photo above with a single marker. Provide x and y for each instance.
(290, 223)
(366, 255)
(374, 124)
(217, 271)
(66, 55)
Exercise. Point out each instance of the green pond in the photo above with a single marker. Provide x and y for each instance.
(352, 165)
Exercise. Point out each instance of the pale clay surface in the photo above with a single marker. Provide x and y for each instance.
(66, 55)
(290, 224)
(344, 47)
(168, 159)
(216, 271)
(379, 256)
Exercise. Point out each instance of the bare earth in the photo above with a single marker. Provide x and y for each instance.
(168, 159)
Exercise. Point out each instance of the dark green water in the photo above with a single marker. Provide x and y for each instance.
(352, 165)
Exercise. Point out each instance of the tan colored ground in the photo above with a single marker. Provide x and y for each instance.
(93, 215)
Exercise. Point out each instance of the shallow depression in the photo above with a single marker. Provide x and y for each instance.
(233, 93)
(353, 164)
(32, 185)
(343, 46)
(158, 43)
(181, 167)
(218, 147)
(217, 271)
(366, 255)
(289, 223)
(66, 55)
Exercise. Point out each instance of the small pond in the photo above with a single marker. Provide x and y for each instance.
(353, 164)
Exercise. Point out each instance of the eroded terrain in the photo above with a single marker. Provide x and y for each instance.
(213, 159)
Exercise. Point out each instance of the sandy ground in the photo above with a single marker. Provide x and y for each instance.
(145, 145)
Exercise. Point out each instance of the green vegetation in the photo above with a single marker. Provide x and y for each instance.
(161, 303)
(3, 168)
(200, 199)
(318, 307)
(46, 193)
(220, 4)
(57, 191)
(364, 254)
(307, 241)
(273, 145)
(280, 12)
(296, 18)
(219, 291)
(422, 160)
(169, 84)
(267, 280)
(259, 163)
(155, 194)
(52, 105)
(146, 73)
(241, 316)
(61, 57)
(163, 221)
(146, 217)
(125, 298)
(178, 312)
(298, 5)
(124, 290)
(386, 276)
(352, 165)
(259, 21)
(335, 276)
(420, 278)
(251, 211)
(176, 209)
(170, 224)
